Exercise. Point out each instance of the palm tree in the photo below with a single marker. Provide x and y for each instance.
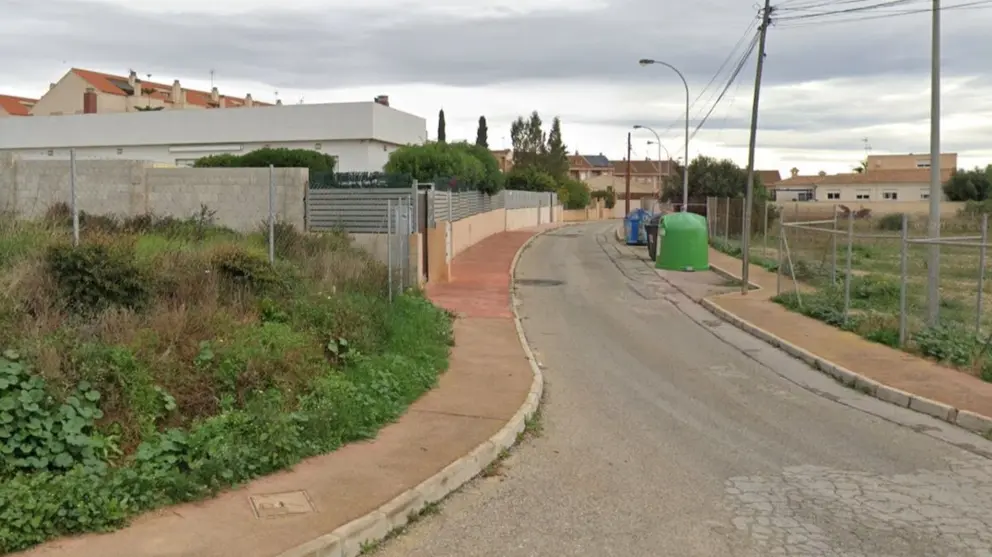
(861, 168)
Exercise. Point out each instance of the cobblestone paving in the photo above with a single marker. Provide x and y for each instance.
(821, 512)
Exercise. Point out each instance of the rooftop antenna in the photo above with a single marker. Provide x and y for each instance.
(211, 78)
(301, 100)
(867, 146)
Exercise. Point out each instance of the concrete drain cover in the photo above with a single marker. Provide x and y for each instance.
(281, 504)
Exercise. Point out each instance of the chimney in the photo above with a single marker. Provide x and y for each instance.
(132, 78)
(51, 86)
(383, 100)
(89, 101)
(794, 172)
(278, 102)
(214, 96)
(177, 93)
(248, 101)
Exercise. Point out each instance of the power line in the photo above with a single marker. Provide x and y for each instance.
(733, 77)
(973, 5)
(856, 9)
(733, 51)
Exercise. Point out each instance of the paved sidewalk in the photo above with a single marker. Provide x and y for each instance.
(885, 365)
(488, 379)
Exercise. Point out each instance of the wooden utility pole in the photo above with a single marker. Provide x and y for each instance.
(627, 180)
(766, 19)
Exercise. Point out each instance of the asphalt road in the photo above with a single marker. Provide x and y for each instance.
(667, 433)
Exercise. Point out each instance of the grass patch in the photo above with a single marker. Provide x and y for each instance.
(164, 360)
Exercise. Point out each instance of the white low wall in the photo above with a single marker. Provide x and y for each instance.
(240, 196)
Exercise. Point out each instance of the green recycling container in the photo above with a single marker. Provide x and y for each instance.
(682, 243)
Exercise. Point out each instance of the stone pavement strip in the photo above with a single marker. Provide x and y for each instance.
(485, 387)
(906, 380)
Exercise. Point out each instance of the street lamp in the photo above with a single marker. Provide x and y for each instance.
(660, 147)
(685, 168)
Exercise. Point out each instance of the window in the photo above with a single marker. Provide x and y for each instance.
(316, 146)
(804, 196)
(862, 196)
(890, 195)
(51, 152)
(120, 150)
(833, 195)
(922, 164)
(924, 194)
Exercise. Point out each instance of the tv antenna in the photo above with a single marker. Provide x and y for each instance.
(212, 78)
(867, 146)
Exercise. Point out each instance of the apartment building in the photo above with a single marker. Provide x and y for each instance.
(88, 92)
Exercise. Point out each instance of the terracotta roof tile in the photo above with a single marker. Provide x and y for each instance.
(578, 162)
(647, 168)
(105, 83)
(768, 177)
(910, 176)
(16, 106)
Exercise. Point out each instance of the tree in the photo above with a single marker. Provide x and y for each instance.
(861, 168)
(530, 178)
(970, 185)
(279, 158)
(709, 177)
(529, 142)
(441, 135)
(482, 133)
(556, 159)
(574, 194)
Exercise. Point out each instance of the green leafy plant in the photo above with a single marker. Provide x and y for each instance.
(93, 277)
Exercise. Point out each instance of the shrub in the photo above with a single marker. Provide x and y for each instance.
(608, 195)
(279, 158)
(947, 343)
(574, 194)
(890, 222)
(461, 163)
(530, 179)
(96, 276)
(242, 268)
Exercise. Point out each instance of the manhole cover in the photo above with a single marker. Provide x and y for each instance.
(281, 504)
(539, 282)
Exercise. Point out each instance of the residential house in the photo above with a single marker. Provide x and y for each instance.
(646, 177)
(875, 185)
(768, 177)
(359, 135)
(909, 162)
(15, 106)
(88, 92)
(504, 157)
(586, 167)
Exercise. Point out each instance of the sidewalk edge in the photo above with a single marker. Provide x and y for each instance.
(965, 419)
(352, 539)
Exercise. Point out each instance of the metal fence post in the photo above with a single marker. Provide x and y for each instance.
(272, 215)
(833, 251)
(847, 269)
(764, 233)
(389, 245)
(726, 226)
(72, 197)
(451, 225)
(904, 278)
(781, 255)
(981, 273)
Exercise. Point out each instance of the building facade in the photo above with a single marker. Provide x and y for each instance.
(360, 135)
(874, 185)
(88, 92)
(908, 162)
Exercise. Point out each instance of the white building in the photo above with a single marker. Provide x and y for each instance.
(360, 134)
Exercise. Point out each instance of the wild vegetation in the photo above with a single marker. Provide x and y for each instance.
(875, 284)
(163, 360)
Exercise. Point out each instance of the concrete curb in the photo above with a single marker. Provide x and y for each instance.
(351, 539)
(962, 418)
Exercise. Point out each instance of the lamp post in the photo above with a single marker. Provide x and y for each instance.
(660, 147)
(685, 168)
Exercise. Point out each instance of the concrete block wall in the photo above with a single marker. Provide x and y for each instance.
(240, 196)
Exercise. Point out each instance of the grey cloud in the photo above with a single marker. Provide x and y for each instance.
(355, 46)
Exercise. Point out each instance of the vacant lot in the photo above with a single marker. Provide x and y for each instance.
(162, 360)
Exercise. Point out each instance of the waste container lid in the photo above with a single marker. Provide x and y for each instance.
(656, 219)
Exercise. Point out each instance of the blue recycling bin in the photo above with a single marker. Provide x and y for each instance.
(633, 226)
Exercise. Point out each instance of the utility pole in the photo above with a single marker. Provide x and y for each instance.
(933, 264)
(627, 180)
(766, 19)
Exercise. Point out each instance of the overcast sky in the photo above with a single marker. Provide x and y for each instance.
(830, 81)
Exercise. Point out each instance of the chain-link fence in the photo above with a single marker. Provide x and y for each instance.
(870, 274)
